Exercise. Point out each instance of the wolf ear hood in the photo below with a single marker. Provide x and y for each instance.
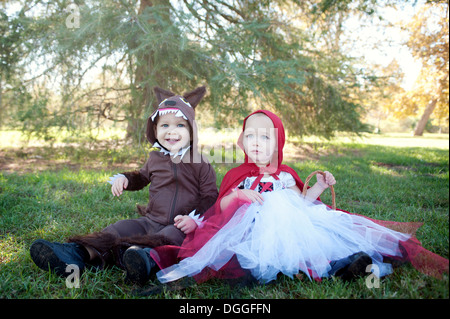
(168, 102)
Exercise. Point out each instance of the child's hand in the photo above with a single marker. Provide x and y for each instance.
(185, 223)
(251, 194)
(119, 185)
(326, 181)
(242, 194)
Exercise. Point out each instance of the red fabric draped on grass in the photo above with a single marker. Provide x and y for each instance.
(420, 258)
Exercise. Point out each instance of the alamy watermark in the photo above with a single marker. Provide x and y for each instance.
(73, 19)
(73, 280)
(373, 279)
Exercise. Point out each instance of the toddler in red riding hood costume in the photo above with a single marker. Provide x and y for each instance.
(263, 225)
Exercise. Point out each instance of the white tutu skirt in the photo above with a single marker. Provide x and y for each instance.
(290, 234)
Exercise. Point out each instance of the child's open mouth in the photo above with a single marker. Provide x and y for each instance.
(172, 141)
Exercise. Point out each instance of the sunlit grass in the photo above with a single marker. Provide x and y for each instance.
(429, 140)
(15, 138)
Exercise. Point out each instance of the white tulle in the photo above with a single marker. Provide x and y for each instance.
(289, 234)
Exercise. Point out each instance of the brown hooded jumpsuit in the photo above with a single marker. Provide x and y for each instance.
(178, 185)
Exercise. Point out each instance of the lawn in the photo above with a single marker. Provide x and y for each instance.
(57, 191)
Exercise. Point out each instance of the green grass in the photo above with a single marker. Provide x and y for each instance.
(383, 180)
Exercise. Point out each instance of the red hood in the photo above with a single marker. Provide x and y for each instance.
(247, 169)
(279, 128)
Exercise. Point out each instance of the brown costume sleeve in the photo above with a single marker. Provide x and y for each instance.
(208, 189)
(137, 180)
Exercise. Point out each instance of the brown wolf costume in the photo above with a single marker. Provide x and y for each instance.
(178, 185)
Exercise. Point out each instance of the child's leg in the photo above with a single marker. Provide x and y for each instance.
(173, 234)
(109, 245)
(57, 256)
(137, 259)
(350, 267)
(131, 227)
(103, 248)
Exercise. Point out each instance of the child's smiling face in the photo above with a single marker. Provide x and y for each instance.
(260, 139)
(172, 132)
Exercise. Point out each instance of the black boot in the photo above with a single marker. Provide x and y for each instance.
(138, 264)
(57, 256)
(350, 267)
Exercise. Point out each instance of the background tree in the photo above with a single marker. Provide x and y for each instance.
(380, 92)
(429, 43)
(279, 55)
(12, 51)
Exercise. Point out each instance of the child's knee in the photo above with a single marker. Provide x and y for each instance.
(173, 234)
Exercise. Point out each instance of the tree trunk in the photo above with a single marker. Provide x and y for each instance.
(420, 127)
(142, 93)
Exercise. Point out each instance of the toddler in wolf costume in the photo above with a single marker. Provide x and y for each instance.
(182, 183)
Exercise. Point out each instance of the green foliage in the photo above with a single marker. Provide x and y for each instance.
(9, 43)
(250, 54)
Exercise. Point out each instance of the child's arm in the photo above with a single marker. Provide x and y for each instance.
(207, 190)
(131, 181)
(207, 197)
(317, 189)
(248, 194)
